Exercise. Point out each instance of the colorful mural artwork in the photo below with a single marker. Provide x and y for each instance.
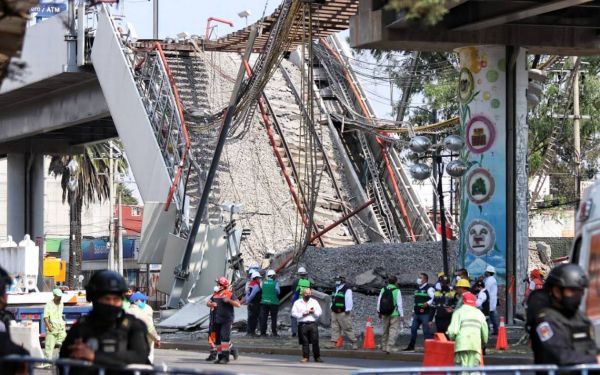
(482, 93)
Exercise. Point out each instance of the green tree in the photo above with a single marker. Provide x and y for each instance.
(127, 197)
(428, 12)
(85, 179)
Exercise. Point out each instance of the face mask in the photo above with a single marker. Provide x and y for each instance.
(306, 298)
(458, 278)
(419, 281)
(571, 304)
(438, 286)
(216, 289)
(106, 314)
(338, 283)
(141, 304)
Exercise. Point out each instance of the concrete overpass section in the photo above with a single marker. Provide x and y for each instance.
(492, 39)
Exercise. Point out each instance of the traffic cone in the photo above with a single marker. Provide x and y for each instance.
(502, 342)
(340, 342)
(369, 342)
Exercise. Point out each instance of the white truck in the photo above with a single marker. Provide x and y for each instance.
(586, 250)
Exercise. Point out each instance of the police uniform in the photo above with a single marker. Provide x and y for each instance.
(118, 343)
(442, 301)
(562, 340)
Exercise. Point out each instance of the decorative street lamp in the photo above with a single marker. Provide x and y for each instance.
(425, 149)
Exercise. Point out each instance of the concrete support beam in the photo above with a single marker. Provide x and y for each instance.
(64, 108)
(15, 197)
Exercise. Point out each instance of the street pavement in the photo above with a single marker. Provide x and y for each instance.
(268, 364)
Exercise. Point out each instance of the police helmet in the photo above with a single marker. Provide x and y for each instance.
(567, 275)
(5, 280)
(105, 282)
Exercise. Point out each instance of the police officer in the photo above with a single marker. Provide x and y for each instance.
(562, 335)
(7, 347)
(107, 336)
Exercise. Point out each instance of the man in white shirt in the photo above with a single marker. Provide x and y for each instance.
(307, 311)
(491, 285)
(341, 308)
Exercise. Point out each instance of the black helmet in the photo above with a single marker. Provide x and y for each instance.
(5, 280)
(567, 275)
(104, 282)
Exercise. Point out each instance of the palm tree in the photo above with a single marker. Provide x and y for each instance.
(85, 179)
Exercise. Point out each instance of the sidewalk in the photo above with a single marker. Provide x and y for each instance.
(289, 346)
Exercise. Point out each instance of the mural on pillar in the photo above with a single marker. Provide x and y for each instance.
(482, 92)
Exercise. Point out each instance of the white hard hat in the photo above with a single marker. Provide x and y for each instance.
(271, 273)
(490, 269)
(254, 274)
(302, 270)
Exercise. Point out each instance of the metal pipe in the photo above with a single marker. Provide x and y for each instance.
(440, 170)
(216, 19)
(344, 218)
(155, 19)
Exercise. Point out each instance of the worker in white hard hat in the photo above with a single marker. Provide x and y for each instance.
(252, 299)
(491, 285)
(55, 324)
(298, 287)
(269, 303)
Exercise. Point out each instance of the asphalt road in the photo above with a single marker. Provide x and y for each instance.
(270, 364)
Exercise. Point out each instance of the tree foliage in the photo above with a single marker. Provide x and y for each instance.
(428, 12)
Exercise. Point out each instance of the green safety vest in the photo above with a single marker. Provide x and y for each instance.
(269, 293)
(302, 284)
(338, 300)
(421, 297)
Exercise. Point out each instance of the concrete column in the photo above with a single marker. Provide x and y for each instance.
(35, 214)
(15, 197)
(494, 190)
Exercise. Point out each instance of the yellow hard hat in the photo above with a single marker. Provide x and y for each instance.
(440, 274)
(463, 283)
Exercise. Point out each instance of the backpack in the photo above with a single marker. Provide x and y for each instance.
(387, 305)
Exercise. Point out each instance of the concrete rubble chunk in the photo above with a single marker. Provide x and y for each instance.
(544, 251)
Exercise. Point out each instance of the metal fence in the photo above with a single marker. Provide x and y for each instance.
(31, 365)
(496, 370)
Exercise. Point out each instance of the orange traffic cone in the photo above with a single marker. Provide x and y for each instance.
(502, 342)
(369, 342)
(340, 342)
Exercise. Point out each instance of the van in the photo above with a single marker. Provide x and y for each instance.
(586, 250)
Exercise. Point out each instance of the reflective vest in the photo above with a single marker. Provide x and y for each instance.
(421, 297)
(338, 300)
(302, 284)
(442, 300)
(269, 293)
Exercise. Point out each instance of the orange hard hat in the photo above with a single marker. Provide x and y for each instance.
(223, 281)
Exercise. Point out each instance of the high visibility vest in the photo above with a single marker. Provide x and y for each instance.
(269, 293)
(302, 284)
(338, 300)
(421, 297)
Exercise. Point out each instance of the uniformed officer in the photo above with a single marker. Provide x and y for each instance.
(7, 347)
(562, 335)
(107, 336)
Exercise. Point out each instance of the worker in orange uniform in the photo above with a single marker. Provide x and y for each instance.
(534, 282)
(223, 302)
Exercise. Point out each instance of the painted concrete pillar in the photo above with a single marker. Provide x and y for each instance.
(15, 196)
(493, 110)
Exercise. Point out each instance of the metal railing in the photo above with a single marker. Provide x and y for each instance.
(161, 99)
(510, 369)
(31, 365)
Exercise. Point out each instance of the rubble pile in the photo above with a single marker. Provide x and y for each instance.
(539, 257)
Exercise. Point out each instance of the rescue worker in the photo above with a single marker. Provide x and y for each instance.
(223, 303)
(212, 334)
(55, 324)
(460, 274)
(140, 309)
(107, 336)
(483, 298)
(307, 311)
(438, 284)
(444, 301)
(424, 294)
(561, 334)
(533, 282)
(126, 298)
(269, 303)
(252, 299)
(469, 330)
(491, 285)
(298, 287)
(7, 346)
(462, 286)
(341, 310)
(389, 308)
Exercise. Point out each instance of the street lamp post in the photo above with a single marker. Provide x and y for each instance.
(424, 149)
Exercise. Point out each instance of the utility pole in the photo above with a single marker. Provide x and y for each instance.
(155, 19)
(120, 229)
(576, 131)
(111, 194)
